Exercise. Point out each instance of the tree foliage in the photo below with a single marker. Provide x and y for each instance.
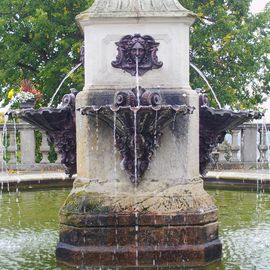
(40, 41)
(231, 47)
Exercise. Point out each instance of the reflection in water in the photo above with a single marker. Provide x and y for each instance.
(29, 229)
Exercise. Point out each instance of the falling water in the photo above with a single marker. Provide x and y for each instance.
(97, 127)
(136, 237)
(155, 131)
(174, 119)
(206, 81)
(15, 145)
(4, 144)
(257, 162)
(135, 123)
(135, 150)
(60, 85)
(137, 81)
(114, 141)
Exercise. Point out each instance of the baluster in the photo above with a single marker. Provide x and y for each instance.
(1, 146)
(58, 160)
(262, 147)
(249, 143)
(44, 148)
(28, 144)
(222, 151)
(235, 148)
(12, 147)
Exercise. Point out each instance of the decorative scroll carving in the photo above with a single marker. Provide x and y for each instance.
(151, 118)
(214, 124)
(59, 124)
(144, 48)
(129, 98)
(65, 141)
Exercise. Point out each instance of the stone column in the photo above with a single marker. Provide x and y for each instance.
(44, 148)
(1, 147)
(12, 148)
(263, 147)
(221, 149)
(28, 144)
(249, 143)
(235, 147)
(58, 160)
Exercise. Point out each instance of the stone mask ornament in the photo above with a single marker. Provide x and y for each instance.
(144, 48)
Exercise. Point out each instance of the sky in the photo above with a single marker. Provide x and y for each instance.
(258, 5)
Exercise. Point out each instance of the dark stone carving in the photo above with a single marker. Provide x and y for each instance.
(65, 141)
(144, 48)
(137, 126)
(214, 124)
(59, 124)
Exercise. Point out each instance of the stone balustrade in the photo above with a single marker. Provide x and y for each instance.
(244, 147)
(26, 148)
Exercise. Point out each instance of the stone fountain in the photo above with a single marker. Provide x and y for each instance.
(138, 199)
(143, 138)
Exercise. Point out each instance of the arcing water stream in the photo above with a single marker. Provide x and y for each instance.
(61, 83)
(206, 81)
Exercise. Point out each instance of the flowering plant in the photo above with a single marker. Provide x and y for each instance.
(27, 91)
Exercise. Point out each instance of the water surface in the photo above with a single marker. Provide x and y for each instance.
(29, 229)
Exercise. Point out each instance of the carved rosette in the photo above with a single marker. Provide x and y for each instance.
(137, 48)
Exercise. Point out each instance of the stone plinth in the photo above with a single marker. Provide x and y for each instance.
(174, 227)
(167, 219)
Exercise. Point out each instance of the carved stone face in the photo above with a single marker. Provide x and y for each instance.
(137, 51)
(139, 47)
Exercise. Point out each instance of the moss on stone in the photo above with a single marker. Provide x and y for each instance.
(84, 202)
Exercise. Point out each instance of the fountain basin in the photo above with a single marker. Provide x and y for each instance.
(59, 124)
(137, 127)
(214, 124)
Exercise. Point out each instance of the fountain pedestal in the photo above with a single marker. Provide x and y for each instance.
(163, 217)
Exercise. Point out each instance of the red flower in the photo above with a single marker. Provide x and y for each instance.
(27, 86)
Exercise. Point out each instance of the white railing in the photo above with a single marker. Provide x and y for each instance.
(248, 145)
(26, 148)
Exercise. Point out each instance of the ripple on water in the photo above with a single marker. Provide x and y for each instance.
(29, 230)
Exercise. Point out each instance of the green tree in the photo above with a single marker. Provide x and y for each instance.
(231, 47)
(40, 41)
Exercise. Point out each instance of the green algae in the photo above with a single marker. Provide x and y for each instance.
(84, 202)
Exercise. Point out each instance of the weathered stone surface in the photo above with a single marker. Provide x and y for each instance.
(175, 227)
(162, 235)
(167, 220)
(180, 198)
(131, 8)
(102, 220)
(141, 256)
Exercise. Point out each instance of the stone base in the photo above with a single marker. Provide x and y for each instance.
(139, 240)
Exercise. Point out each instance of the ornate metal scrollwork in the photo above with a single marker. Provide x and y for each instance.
(144, 48)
